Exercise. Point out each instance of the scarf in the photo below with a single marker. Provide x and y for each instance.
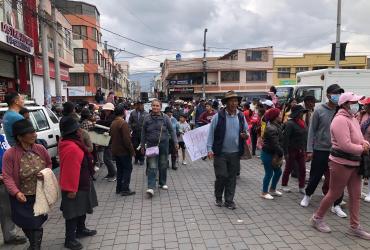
(300, 123)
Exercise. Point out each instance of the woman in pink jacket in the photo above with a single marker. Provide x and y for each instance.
(348, 144)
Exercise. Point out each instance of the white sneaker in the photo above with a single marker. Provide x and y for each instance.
(96, 168)
(276, 193)
(305, 201)
(338, 211)
(367, 198)
(286, 189)
(184, 163)
(267, 196)
(150, 192)
(164, 187)
(302, 191)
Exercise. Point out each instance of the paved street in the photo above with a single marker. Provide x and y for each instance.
(185, 217)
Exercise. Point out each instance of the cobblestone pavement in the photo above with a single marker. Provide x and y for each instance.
(185, 217)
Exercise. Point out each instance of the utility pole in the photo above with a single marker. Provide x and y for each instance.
(44, 49)
(204, 64)
(337, 43)
(58, 84)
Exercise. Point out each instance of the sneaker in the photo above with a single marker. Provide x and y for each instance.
(164, 187)
(17, 240)
(320, 225)
(112, 179)
(338, 211)
(219, 202)
(96, 168)
(359, 232)
(305, 201)
(184, 163)
(286, 189)
(73, 245)
(127, 193)
(276, 193)
(267, 196)
(367, 198)
(302, 191)
(230, 205)
(150, 192)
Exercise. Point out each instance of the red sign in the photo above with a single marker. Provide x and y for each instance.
(64, 73)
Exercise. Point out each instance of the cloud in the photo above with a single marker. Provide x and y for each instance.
(288, 25)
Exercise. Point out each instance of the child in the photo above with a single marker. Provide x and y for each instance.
(184, 127)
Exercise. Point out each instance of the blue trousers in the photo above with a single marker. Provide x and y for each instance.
(270, 173)
(158, 163)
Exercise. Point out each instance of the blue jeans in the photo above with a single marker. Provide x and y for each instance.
(124, 170)
(158, 163)
(270, 172)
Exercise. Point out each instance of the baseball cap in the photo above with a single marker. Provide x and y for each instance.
(365, 101)
(349, 97)
(334, 89)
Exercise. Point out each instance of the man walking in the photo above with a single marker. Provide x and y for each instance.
(136, 124)
(226, 138)
(319, 145)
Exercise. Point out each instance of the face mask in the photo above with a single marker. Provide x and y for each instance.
(334, 99)
(353, 108)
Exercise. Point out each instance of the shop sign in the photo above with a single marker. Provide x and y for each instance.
(16, 39)
(76, 91)
(180, 82)
(64, 73)
(181, 90)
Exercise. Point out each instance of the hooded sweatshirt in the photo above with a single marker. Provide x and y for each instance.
(319, 130)
(346, 136)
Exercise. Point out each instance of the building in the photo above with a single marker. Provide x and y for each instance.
(16, 49)
(286, 68)
(94, 65)
(247, 71)
(123, 79)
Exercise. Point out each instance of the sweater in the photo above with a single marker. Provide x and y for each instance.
(12, 164)
(346, 136)
(47, 192)
(120, 137)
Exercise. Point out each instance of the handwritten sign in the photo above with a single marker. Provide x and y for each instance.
(196, 142)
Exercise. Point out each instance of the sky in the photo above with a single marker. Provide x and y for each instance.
(176, 26)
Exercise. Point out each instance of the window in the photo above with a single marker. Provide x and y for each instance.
(40, 120)
(283, 72)
(96, 57)
(52, 116)
(79, 32)
(95, 35)
(60, 50)
(257, 55)
(98, 80)
(230, 76)
(257, 76)
(309, 91)
(319, 67)
(67, 39)
(301, 69)
(81, 56)
(79, 79)
(50, 44)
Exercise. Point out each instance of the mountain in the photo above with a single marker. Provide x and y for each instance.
(145, 80)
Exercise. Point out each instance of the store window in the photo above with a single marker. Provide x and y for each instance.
(230, 76)
(283, 72)
(301, 69)
(81, 56)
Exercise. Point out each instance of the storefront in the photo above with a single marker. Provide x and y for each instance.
(183, 93)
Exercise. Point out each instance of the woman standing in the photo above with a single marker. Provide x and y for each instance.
(272, 153)
(348, 144)
(364, 119)
(157, 130)
(21, 169)
(78, 192)
(295, 142)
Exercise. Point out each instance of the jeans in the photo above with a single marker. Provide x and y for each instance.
(73, 225)
(7, 225)
(320, 167)
(158, 163)
(226, 166)
(295, 155)
(270, 172)
(107, 158)
(124, 170)
(341, 177)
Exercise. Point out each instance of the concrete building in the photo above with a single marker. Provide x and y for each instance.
(247, 71)
(123, 78)
(286, 68)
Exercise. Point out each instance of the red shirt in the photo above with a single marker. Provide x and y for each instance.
(206, 117)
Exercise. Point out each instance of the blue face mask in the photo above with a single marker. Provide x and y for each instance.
(334, 99)
(353, 108)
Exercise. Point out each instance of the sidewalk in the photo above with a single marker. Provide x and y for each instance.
(185, 217)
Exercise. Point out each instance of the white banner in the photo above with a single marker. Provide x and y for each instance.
(196, 142)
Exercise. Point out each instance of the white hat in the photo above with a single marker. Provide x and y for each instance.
(108, 106)
(268, 103)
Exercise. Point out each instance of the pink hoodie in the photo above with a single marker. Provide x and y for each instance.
(346, 136)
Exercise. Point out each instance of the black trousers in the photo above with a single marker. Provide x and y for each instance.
(254, 137)
(124, 170)
(226, 166)
(319, 167)
(74, 225)
(139, 157)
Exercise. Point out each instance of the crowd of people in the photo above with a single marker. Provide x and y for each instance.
(334, 136)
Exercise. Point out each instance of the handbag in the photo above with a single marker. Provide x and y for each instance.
(154, 151)
(277, 161)
(247, 152)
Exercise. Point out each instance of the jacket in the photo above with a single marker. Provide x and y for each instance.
(47, 192)
(136, 122)
(346, 136)
(273, 139)
(295, 137)
(12, 164)
(120, 137)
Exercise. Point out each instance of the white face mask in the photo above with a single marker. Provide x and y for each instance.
(353, 108)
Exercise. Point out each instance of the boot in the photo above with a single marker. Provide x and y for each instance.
(174, 167)
(28, 234)
(37, 235)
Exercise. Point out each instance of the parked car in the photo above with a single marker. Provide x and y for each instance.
(46, 124)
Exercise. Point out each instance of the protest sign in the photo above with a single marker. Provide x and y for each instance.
(196, 142)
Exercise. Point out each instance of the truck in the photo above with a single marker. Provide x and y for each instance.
(316, 82)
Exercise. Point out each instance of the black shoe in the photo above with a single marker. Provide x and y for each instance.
(73, 245)
(141, 163)
(128, 193)
(230, 205)
(238, 174)
(174, 168)
(136, 162)
(17, 240)
(219, 202)
(204, 158)
(85, 233)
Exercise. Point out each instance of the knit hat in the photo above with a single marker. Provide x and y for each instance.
(22, 127)
(297, 110)
(272, 114)
(68, 125)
